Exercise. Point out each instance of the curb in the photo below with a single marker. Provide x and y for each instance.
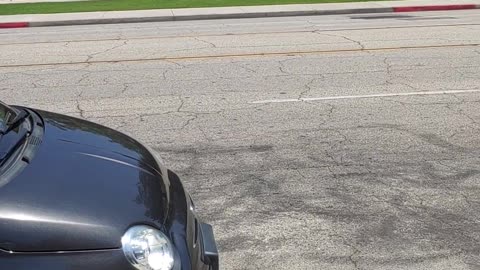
(14, 25)
(235, 15)
(434, 8)
(193, 17)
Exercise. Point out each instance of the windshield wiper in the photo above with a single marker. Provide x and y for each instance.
(13, 118)
(14, 132)
(13, 122)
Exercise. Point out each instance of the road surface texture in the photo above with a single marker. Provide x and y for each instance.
(329, 142)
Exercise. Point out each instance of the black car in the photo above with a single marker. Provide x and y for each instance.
(75, 195)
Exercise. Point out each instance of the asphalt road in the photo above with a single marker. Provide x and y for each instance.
(330, 142)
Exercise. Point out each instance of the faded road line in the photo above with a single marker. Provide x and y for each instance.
(264, 54)
(319, 31)
(451, 92)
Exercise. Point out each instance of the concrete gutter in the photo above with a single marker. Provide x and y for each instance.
(160, 15)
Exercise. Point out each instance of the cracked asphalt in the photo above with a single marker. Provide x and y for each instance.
(371, 173)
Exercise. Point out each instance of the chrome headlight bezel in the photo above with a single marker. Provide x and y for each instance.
(147, 248)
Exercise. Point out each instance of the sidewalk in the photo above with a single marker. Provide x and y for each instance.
(231, 12)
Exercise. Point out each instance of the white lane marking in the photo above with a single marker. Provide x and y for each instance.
(426, 93)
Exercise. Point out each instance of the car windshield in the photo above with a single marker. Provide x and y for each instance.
(6, 113)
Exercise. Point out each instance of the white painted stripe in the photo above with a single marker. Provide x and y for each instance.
(426, 93)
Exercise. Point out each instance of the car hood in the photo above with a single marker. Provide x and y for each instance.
(84, 187)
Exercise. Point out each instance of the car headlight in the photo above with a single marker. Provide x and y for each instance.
(147, 248)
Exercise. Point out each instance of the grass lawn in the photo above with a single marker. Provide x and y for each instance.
(106, 5)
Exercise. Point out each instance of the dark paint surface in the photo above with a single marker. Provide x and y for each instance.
(86, 260)
(86, 185)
